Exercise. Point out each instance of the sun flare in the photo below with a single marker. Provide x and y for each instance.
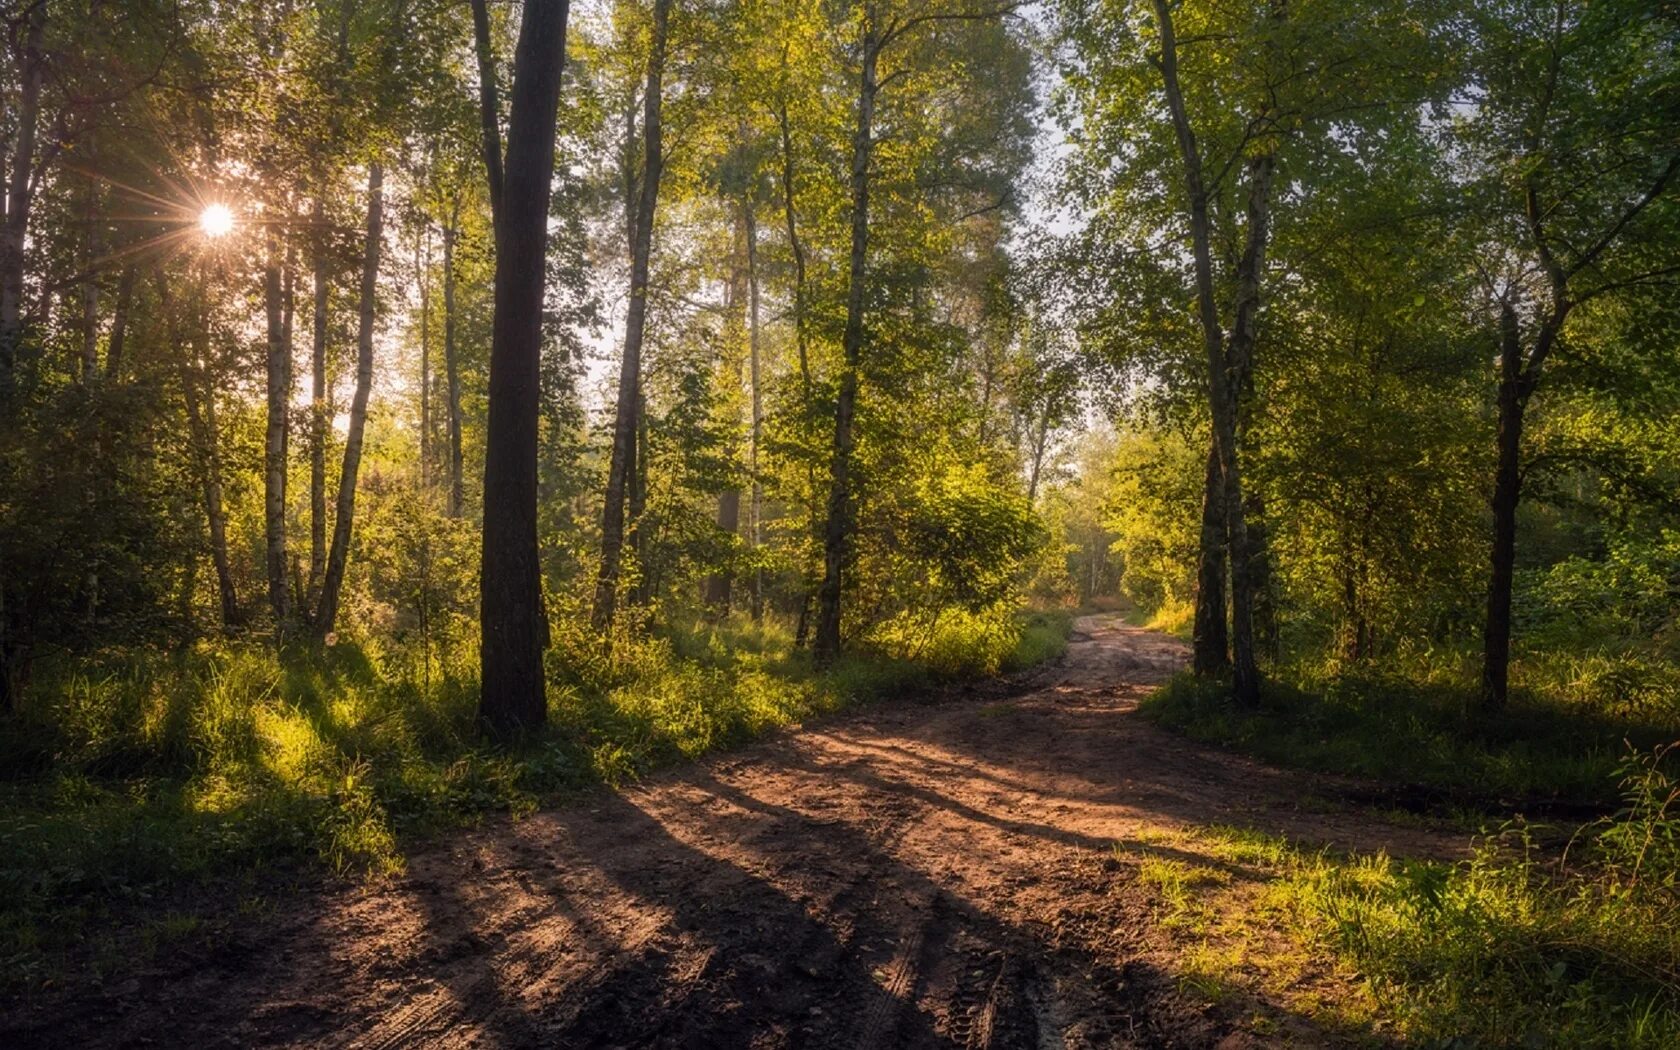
(216, 220)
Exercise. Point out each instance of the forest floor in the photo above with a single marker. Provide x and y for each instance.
(959, 870)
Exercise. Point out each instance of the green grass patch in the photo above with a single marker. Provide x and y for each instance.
(1516, 946)
(1422, 730)
(131, 778)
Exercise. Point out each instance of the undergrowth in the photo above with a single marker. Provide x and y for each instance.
(1515, 946)
(1561, 737)
(129, 777)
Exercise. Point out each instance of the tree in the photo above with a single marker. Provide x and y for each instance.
(627, 412)
(513, 623)
(1575, 138)
(877, 31)
(332, 582)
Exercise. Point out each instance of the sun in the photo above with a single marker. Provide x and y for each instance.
(216, 220)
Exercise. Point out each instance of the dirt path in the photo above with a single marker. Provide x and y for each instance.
(915, 875)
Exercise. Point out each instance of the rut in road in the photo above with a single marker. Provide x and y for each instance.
(919, 874)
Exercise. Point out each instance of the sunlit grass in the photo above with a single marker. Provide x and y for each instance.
(132, 776)
(1418, 724)
(1514, 946)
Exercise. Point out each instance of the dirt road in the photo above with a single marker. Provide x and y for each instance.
(937, 874)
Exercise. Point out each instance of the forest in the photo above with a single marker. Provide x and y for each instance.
(843, 523)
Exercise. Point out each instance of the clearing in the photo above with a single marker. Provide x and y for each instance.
(916, 874)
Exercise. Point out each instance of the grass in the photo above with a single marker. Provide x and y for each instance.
(1419, 727)
(1513, 946)
(133, 781)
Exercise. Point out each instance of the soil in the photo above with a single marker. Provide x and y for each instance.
(932, 872)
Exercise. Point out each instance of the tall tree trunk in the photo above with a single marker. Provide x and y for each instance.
(1241, 364)
(756, 508)
(514, 627)
(489, 104)
(422, 265)
(332, 584)
(279, 384)
(90, 289)
(719, 590)
(1507, 494)
(837, 530)
(119, 322)
(1210, 641)
(637, 484)
(630, 368)
(199, 393)
(1246, 680)
(318, 415)
(1039, 442)
(20, 193)
(451, 364)
(790, 213)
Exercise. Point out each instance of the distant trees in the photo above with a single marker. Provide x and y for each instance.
(1370, 206)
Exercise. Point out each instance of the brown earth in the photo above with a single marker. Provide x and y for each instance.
(933, 874)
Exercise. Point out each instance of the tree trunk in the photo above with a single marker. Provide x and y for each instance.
(637, 484)
(1039, 442)
(451, 365)
(332, 584)
(119, 322)
(1246, 680)
(514, 627)
(318, 414)
(1507, 494)
(802, 632)
(720, 586)
(489, 105)
(629, 377)
(422, 266)
(837, 530)
(1210, 642)
(1241, 365)
(756, 509)
(90, 290)
(202, 423)
(279, 388)
(20, 194)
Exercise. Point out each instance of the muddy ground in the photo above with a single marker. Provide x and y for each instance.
(933, 872)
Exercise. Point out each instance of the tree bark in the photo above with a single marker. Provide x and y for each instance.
(1210, 641)
(756, 507)
(629, 378)
(20, 194)
(837, 529)
(202, 424)
(513, 624)
(1507, 494)
(1241, 365)
(1246, 677)
(489, 104)
(90, 290)
(451, 364)
(318, 414)
(278, 375)
(332, 584)
(119, 322)
(422, 267)
(720, 586)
